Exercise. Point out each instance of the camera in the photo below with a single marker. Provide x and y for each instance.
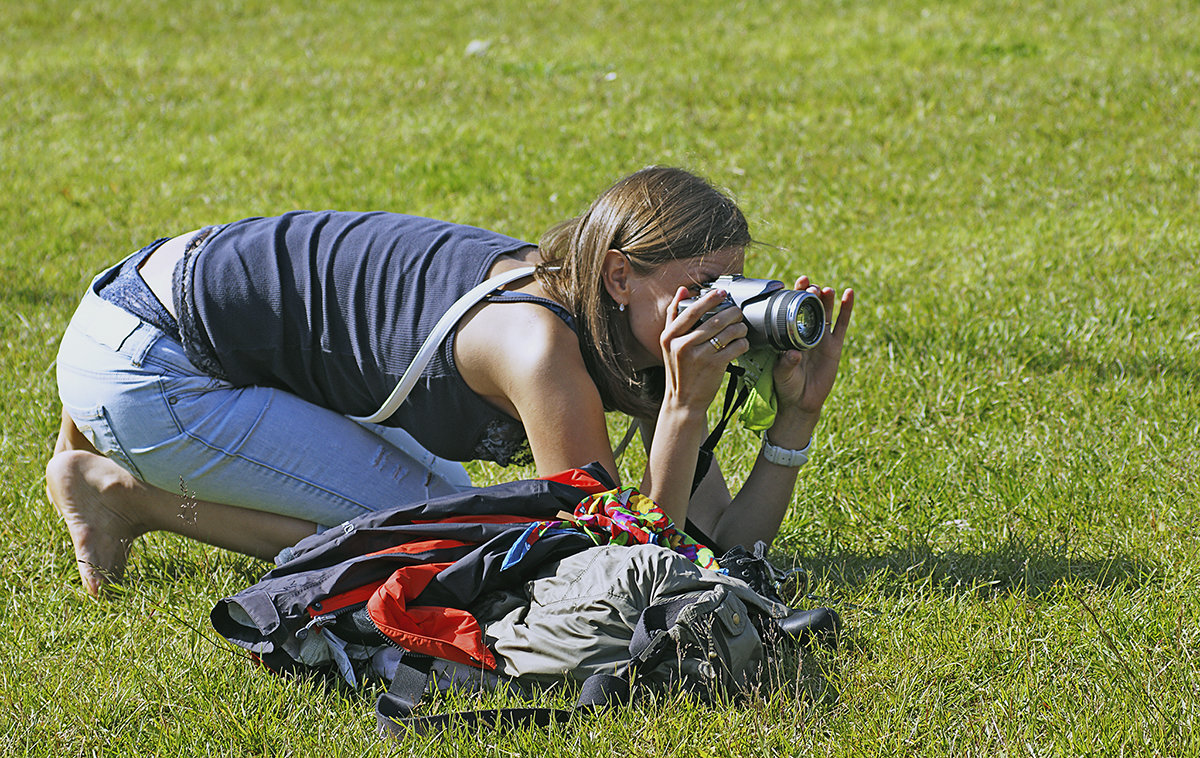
(774, 315)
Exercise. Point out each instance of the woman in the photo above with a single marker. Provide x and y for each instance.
(207, 380)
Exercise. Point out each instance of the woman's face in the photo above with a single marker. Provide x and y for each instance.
(651, 294)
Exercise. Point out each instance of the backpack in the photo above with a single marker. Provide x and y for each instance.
(420, 596)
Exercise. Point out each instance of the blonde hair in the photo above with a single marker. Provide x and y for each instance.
(653, 216)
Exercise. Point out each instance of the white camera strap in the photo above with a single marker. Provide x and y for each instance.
(434, 340)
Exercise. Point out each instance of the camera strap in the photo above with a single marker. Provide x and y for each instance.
(736, 392)
(435, 339)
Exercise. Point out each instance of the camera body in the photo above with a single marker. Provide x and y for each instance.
(775, 316)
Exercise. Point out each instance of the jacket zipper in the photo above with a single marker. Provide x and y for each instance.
(320, 622)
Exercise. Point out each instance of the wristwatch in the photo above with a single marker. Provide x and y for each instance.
(782, 456)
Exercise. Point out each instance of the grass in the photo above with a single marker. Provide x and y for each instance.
(1003, 503)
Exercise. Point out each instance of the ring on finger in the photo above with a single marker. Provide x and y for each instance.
(717, 343)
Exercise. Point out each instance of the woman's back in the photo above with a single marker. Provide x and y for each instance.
(332, 307)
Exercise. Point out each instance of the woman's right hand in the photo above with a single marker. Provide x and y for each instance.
(696, 354)
(694, 359)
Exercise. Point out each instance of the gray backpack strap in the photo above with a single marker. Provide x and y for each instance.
(435, 338)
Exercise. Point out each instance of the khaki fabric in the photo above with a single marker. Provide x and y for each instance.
(582, 613)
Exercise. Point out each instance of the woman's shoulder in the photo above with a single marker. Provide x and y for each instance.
(523, 328)
(504, 347)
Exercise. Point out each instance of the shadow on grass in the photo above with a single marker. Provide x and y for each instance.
(160, 560)
(1017, 566)
(1139, 366)
(807, 677)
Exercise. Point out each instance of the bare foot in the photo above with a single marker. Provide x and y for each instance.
(85, 487)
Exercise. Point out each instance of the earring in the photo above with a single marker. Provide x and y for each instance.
(621, 307)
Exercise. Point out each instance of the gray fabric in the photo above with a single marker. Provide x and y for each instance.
(445, 675)
(582, 614)
(709, 646)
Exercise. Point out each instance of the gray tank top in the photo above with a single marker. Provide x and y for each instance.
(333, 306)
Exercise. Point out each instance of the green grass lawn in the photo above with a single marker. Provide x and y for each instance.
(1003, 496)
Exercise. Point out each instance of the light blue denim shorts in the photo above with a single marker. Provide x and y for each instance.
(134, 394)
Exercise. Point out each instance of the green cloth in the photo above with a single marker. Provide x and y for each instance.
(758, 414)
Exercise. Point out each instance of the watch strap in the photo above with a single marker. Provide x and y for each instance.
(782, 456)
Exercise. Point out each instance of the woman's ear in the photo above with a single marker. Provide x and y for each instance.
(616, 271)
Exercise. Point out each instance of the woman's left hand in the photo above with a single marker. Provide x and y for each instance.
(803, 379)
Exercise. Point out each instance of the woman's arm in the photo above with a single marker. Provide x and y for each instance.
(694, 359)
(803, 380)
(524, 360)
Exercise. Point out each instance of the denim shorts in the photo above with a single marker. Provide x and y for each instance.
(133, 393)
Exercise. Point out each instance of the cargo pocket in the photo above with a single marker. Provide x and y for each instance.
(732, 614)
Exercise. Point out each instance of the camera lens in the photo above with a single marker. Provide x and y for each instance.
(794, 320)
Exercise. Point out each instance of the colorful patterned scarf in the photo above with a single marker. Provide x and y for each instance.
(619, 517)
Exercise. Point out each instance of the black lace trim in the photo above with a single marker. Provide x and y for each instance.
(504, 442)
(197, 349)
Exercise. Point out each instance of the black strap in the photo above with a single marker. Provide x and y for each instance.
(394, 708)
(404, 694)
(602, 690)
(736, 393)
(410, 683)
(400, 726)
